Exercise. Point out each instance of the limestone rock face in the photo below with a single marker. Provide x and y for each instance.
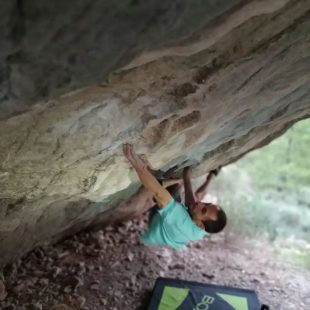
(188, 82)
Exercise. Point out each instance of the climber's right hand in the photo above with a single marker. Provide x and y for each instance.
(216, 171)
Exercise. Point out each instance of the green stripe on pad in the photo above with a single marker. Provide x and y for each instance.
(172, 298)
(237, 302)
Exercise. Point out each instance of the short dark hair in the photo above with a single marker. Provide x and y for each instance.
(214, 227)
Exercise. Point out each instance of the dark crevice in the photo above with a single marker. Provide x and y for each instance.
(18, 19)
(249, 79)
(206, 71)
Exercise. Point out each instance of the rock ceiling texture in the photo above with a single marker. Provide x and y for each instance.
(190, 82)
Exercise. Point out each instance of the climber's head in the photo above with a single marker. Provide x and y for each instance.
(209, 216)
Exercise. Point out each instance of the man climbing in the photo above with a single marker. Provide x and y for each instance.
(175, 224)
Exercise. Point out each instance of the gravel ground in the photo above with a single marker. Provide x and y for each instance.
(110, 269)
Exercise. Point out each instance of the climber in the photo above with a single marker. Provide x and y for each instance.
(174, 224)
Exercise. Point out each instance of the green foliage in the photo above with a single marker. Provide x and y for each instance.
(263, 216)
(267, 194)
(302, 258)
(284, 163)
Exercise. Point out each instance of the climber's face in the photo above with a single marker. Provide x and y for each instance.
(205, 211)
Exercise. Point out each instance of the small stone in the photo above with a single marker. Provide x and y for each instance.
(67, 289)
(19, 288)
(255, 280)
(130, 256)
(142, 273)
(133, 280)
(36, 306)
(122, 230)
(81, 301)
(63, 254)
(90, 267)
(128, 225)
(38, 273)
(198, 245)
(3, 292)
(178, 266)
(44, 281)
(31, 281)
(73, 283)
(116, 264)
(74, 301)
(118, 294)
(208, 276)
(161, 273)
(99, 268)
(56, 272)
(103, 301)
(61, 307)
(94, 287)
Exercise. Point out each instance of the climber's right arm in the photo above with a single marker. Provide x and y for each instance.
(161, 195)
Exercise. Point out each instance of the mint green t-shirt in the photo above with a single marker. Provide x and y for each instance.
(172, 226)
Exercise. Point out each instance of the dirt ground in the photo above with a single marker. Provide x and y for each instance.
(110, 269)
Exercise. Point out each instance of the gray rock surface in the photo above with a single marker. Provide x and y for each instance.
(49, 47)
(189, 82)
